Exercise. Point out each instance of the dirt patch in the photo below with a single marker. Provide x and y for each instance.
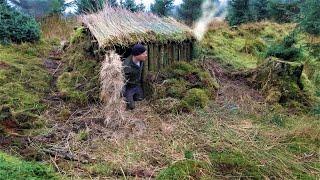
(234, 92)
(4, 65)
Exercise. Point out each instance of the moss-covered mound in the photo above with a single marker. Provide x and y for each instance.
(244, 46)
(79, 82)
(182, 87)
(282, 82)
(23, 83)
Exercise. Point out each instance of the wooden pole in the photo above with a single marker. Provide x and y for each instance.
(151, 57)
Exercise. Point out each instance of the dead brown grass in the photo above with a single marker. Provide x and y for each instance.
(57, 27)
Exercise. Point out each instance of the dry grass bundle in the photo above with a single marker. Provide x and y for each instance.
(112, 26)
(112, 82)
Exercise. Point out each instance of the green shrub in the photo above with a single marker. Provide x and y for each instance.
(286, 50)
(196, 97)
(17, 27)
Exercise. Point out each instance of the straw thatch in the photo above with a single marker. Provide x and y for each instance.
(112, 81)
(117, 26)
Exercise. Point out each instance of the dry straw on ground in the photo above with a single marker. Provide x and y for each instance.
(112, 82)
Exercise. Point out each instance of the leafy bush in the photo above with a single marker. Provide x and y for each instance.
(286, 50)
(17, 27)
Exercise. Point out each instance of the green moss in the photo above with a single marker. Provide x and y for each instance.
(78, 34)
(187, 85)
(14, 168)
(23, 80)
(180, 69)
(80, 81)
(196, 98)
(67, 84)
(244, 47)
(20, 98)
(233, 162)
(175, 88)
(186, 169)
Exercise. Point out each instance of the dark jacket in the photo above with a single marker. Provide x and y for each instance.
(133, 73)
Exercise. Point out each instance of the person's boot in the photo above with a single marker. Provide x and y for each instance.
(130, 105)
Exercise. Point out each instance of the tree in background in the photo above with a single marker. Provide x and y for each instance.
(309, 18)
(190, 10)
(238, 12)
(259, 9)
(39, 8)
(162, 7)
(17, 27)
(113, 3)
(283, 11)
(89, 6)
(132, 6)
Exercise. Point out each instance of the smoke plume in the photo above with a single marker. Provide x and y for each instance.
(211, 10)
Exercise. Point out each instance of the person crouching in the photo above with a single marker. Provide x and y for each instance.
(133, 66)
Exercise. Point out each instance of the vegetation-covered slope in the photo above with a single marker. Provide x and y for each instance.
(235, 135)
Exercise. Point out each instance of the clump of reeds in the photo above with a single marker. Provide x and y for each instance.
(112, 82)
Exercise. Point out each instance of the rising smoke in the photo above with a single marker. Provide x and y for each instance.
(211, 10)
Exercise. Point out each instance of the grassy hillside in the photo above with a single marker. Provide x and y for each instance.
(246, 46)
(23, 82)
(236, 134)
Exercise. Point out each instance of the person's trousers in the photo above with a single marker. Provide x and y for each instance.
(133, 94)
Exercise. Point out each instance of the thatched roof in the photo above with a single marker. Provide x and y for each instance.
(117, 26)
